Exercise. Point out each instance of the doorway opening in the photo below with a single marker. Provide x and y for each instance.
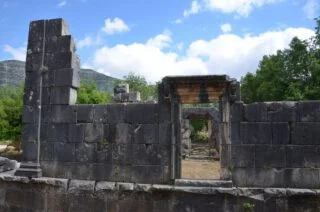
(200, 141)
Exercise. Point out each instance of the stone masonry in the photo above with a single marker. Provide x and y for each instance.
(276, 144)
(116, 142)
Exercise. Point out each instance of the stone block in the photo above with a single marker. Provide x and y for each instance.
(94, 133)
(100, 114)
(309, 111)
(66, 78)
(36, 31)
(56, 27)
(61, 60)
(305, 133)
(239, 177)
(29, 133)
(57, 43)
(164, 112)
(30, 151)
(165, 133)
(63, 96)
(302, 178)
(120, 133)
(122, 154)
(264, 177)
(64, 114)
(130, 97)
(237, 112)
(280, 133)
(225, 156)
(29, 114)
(256, 112)
(282, 111)
(32, 80)
(141, 113)
(104, 155)
(242, 155)
(235, 133)
(54, 132)
(116, 113)
(85, 113)
(256, 133)
(102, 171)
(46, 151)
(46, 113)
(148, 174)
(31, 96)
(86, 152)
(145, 133)
(76, 133)
(121, 88)
(303, 156)
(270, 156)
(64, 152)
(151, 154)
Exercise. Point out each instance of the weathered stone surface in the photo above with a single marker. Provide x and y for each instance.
(269, 156)
(116, 113)
(151, 154)
(121, 88)
(7, 165)
(66, 78)
(122, 154)
(47, 151)
(64, 152)
(120, 133)
(85, 113)
(165, 133)
(282, 111)
(141, 113)
(76, 133)
(100, 114)
(94, 133)
(202, 183)
(280, 133)
(256, 133)
(265, 177)
(85, 153)
(63, 96)
(303, 157)
(64, 114)
(237, 112)
(235, 133)
(105, 186)
(145, 133)
(302, 178)
(256, 112)
(309, 111)
(306, 133)
(242, 155)
(54, 133)
(77, 186)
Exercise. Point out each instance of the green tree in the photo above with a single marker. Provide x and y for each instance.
(138, 83)
(88, 93)
(290, 74)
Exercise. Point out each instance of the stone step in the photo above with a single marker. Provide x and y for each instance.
(203, 183)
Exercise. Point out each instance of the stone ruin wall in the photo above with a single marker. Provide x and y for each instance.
(275, 144)
(115, 142)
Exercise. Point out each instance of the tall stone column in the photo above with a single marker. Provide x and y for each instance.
(52, 77)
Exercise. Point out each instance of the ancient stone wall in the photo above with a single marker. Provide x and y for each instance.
(52, 195)
(116, 142)
(276, 144)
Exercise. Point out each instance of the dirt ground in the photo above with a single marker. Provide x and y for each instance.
(200, 169)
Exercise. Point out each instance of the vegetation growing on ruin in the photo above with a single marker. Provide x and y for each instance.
(290, 74)
(88, 93)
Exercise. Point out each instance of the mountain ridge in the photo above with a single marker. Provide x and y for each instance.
(12, 72)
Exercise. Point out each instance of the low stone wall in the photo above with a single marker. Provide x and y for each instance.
(276, 144)
(52, 194)
(116, 142)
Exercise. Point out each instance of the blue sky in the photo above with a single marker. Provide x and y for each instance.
(159, 38)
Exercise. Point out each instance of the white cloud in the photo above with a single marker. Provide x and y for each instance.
(241, 8)
(225, 28)
(180, 46)
(161, 41)
(226, 54)
(312, 9)
(177, 21)
(16, 53)
(62, 4)
(87, 41)
(235, 55)
(194, 9)
(115, 26)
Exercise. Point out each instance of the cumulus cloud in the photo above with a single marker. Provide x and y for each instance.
(238, 7)
(194, 9)
(115, 26)
(16, 53)
(225, 28)
(226, 54)
(161, 41)
(62, 4)
(89, 41)
(177, 21)
(312, 9)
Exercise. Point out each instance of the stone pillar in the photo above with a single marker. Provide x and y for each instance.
(52, 77)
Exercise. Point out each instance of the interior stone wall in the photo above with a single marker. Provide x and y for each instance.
(275, 144)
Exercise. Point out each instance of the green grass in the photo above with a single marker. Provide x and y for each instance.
(5, 142)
